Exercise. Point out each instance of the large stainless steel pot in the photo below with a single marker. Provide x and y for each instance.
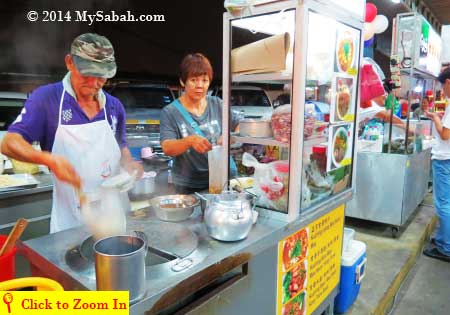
(120, 265)
(255, 128)
(229, 216)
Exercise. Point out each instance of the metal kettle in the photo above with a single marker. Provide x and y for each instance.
(229, 216)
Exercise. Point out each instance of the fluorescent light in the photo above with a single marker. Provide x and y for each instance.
(418, 89)
(396, 1)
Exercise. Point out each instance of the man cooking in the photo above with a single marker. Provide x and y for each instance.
(81, 129)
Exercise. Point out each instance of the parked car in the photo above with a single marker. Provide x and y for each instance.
(11, 104)
(252, 101)
(143, 104)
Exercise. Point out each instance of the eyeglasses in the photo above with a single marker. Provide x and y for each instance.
(193, 82)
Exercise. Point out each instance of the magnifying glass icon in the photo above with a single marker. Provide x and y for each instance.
(8, 298)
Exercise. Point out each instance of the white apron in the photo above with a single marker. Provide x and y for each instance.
(94, 153)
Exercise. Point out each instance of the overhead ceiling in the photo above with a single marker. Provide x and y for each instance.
(440, 9)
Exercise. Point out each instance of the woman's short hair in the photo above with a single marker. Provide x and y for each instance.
(194, 65)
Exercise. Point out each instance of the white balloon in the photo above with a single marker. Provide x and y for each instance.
(380, 24)
(368, 31)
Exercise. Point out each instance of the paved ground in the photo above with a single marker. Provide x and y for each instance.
(390, 259)
(426, 289)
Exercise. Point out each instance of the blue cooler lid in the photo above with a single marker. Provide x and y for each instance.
(354, 251)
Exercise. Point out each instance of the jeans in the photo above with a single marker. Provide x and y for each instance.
(441, 196)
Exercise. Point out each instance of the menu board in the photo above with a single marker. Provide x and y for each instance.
(309, 264)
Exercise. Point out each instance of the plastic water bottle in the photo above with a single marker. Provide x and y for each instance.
(369, 133)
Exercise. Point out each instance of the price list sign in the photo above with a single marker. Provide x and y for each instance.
(309, 264)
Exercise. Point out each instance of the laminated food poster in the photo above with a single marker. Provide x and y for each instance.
(309, 264)
(343, 100)
(340, 142)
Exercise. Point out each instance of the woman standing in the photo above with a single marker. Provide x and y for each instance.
(191, 124)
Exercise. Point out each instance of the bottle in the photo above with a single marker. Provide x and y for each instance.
(369, 133)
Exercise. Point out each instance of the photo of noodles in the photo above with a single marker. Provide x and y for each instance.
(345, 52)
(343, 99)
(340, 145)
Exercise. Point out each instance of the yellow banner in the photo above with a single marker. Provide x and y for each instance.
(64, 302)
(309, 262)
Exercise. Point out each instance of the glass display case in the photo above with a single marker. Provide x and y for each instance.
(302, 155)
(394, 152)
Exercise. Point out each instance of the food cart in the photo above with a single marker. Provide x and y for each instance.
(393, 176)
(290, 261)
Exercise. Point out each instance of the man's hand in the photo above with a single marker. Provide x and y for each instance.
(133, 166)
(199, 144)
(64, 171)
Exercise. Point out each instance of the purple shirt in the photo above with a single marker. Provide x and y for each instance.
(39, 117)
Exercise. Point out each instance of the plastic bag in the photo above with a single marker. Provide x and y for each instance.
(281, 123)
(236, 7)
(371, 84)
(271, 181)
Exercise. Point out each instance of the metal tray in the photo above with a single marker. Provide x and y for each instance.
(27, 181)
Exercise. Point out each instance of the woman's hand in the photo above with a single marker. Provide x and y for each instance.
(199, 144)
(432, 115)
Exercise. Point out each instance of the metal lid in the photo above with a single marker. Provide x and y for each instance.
(168, 237)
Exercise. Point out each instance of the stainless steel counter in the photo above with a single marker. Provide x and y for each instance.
(213, 262)
(389, 187)
(34, 204)
(45, 185)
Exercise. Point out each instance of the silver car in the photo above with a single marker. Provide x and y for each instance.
(143, 104)
(251, 101)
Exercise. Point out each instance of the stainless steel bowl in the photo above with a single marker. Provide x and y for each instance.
(255, 128)
(174, 207)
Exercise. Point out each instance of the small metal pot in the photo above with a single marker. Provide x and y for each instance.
(142, 189)
(255, 128)
(174, 207)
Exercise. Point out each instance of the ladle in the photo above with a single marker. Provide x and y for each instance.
(14, 235)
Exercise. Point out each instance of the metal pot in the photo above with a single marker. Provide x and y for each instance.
(120, 265)
(255, 128)
(142, 188)
(229, 216)
(174, 207)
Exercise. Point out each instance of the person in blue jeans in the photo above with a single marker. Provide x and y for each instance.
(440, 244)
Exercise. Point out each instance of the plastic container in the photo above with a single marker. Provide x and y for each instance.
(319, 154)
(348, 237)
(7, 262)
(135, 145)
(353, 270)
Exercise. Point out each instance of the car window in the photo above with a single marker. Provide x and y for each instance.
(248, 98)
(9, 110)
(143, 97)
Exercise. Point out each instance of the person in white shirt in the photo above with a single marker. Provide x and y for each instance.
(440, 244)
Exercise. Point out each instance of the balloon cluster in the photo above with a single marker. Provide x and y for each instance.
(374, 24)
